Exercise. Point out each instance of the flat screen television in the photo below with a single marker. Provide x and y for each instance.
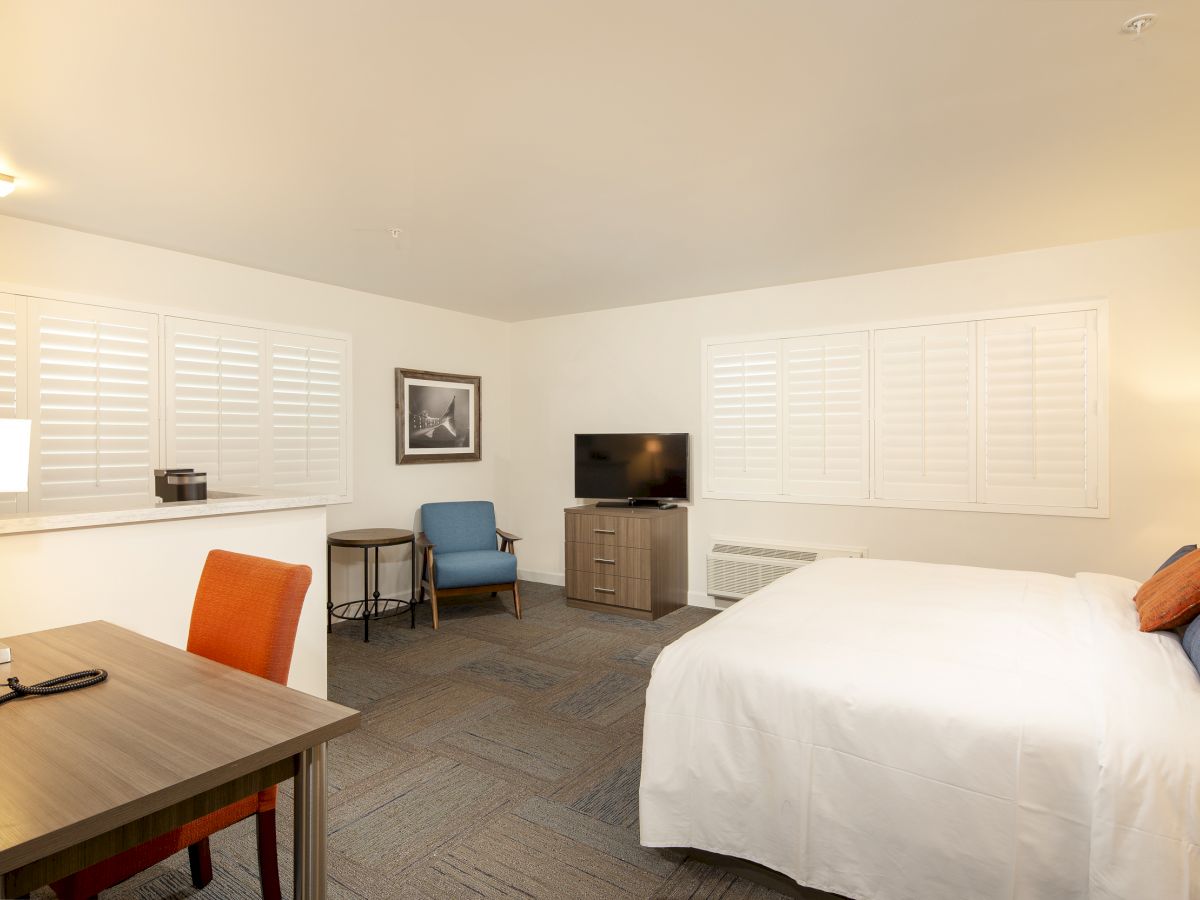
(638, 467)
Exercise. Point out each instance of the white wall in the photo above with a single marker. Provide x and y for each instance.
(143, 577)
(638, 369)
(386, 334)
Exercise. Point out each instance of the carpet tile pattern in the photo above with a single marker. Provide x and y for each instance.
(497, 759)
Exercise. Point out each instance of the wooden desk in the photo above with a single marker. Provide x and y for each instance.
(170, 736)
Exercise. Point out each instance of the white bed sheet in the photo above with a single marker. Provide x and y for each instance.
(904, 731)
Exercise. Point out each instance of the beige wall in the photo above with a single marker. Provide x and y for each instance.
(143, 577)
(638, 369)
(386, 334)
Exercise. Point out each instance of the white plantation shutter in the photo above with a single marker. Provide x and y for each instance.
(308, 412)
(93, 393)
(743, 411)
(924, 413)
(1039, 425)
(12, 376)
(213, 379)
(827, 416)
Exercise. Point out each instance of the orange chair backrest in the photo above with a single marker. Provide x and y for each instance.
(246, 612)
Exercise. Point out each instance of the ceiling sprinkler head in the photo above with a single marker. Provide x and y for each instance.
(1138, 24)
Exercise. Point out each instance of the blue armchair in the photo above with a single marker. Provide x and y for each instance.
(459, 553)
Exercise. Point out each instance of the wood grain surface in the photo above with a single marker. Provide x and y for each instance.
(167, 737)
(630, 560)
(371, 537)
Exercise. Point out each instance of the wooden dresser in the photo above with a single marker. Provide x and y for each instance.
(627, 560)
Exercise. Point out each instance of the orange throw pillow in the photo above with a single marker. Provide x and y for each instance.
(1172, 596)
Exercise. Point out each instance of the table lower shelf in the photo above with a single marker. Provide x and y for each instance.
(372, 610)
(378, 609)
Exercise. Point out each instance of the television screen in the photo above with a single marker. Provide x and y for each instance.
(642, 466)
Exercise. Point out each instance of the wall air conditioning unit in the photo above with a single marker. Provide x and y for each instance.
(737, 569)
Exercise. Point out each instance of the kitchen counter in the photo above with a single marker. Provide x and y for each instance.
(219, 503)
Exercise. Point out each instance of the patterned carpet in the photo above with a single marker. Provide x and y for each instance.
(497, 758)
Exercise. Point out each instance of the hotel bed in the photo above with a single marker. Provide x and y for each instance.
(904, 731)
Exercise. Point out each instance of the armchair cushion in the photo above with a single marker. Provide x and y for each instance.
(455, 527)
(469, 568)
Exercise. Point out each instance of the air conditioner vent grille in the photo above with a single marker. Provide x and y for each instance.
(737, 569)
(764, 552)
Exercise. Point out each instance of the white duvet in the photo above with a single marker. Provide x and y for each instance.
(904, 731)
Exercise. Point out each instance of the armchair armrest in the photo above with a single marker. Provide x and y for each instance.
(508, 542)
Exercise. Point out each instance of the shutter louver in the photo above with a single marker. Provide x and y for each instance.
(308, 412)
(827, 433)
(924, 413)
(214, 401)
(93, 380)
(1039, 441)
(12, 375)
(744, 418)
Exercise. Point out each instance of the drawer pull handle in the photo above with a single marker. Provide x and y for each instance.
(604, 590)
(604, 530)
(607, 562)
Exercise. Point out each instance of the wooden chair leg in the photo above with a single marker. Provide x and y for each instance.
(268, 855)
(200, 862)
(433, 604)
(517, 599)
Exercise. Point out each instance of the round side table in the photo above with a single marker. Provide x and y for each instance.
(369, 607)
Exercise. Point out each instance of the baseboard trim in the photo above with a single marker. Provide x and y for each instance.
(555, 578)
(704, 601)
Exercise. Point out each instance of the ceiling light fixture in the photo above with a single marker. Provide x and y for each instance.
(7, 184)
(1138, 24)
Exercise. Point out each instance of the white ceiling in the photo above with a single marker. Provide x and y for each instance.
(552, 156)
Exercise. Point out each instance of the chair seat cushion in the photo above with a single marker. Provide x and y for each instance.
(472, 568)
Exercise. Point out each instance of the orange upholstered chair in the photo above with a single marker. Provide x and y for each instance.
(245, 616)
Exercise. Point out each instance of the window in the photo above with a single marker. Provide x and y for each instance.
(1002, 412)
(255, 409)
(93, 391)
(308, 411)
(743, 417)
(213, 383)
(1040, 441)
(12, 377)
(923, 413)
(827, 431)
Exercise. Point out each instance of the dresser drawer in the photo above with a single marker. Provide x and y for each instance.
(623, 562)
(608, 531)
(628, 593)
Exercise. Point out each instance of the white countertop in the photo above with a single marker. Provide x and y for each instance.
(220, 504)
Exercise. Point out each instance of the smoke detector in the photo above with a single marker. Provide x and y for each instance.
(1138, 24)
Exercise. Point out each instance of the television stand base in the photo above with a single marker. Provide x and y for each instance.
(661, 504)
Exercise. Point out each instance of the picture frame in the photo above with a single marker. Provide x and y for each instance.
(438, 417)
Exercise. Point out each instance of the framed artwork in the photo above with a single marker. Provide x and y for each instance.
(437, 417)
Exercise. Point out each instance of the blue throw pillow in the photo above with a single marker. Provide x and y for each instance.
(1176, 556)
(1191, 643)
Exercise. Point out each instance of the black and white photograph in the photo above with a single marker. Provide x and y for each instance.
(437, 417)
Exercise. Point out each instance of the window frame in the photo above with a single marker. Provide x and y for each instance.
(1097, 305)
(27, 294)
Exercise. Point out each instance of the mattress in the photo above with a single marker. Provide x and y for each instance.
(903, 731)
